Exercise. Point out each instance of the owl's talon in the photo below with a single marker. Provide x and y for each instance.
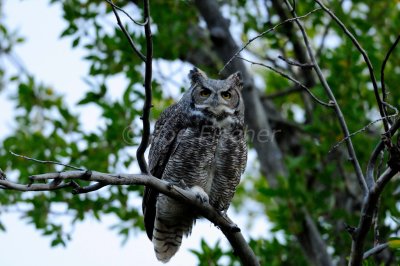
(201, 195)
(201, 198)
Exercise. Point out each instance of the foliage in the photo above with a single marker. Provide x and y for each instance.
(319, 179)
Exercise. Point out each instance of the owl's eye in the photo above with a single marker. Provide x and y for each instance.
(205, 92)
(226, 95)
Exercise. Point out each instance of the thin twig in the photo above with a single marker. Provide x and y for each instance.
(293, 63)
(148, 94)
(358, 131)
(390, 106)
(126, 13)
(131, 43)
(339, 114)
(277, 94)
(289, 78)
(46, 162)
(383, 86)
(7, 184)
(366, 59)
(93, 187)
(265, 32)
(323, 39)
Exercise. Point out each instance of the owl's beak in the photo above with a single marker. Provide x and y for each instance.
(218, 109)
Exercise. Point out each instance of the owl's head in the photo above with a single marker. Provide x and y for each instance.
(217, 98)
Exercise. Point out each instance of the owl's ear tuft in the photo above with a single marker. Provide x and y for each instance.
(195, 75)
(236, 78)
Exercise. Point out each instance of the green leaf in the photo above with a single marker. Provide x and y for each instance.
(75, 42)
(394, 243)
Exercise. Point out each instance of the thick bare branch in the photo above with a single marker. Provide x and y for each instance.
(229, 229)
(148, 94)
(7, 184)
(367, 212)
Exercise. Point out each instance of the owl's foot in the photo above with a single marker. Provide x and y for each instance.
(201, 195)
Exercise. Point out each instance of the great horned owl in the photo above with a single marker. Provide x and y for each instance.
(200, 141)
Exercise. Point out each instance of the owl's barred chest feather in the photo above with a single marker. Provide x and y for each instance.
(212, 167)
(211, 158)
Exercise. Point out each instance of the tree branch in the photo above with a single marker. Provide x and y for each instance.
(93, 187)
(366, 59)
(126, 13)
(46, 162)
(375, 250)
(294, 63)
(294, 89)
(367, 212)
(383, 86)
(263, 33)
(338, 111)
(300, 53)
(359, 131)
(56, 185)
(369, 175)
(148, 94)
(229, 229)
(298, 83)
(128, 37)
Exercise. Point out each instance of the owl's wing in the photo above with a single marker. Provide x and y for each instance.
(163, 143)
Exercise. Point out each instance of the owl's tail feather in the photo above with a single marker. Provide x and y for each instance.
(167, 238)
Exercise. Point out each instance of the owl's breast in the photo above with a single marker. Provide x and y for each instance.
(192, 156)
(226, 169)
